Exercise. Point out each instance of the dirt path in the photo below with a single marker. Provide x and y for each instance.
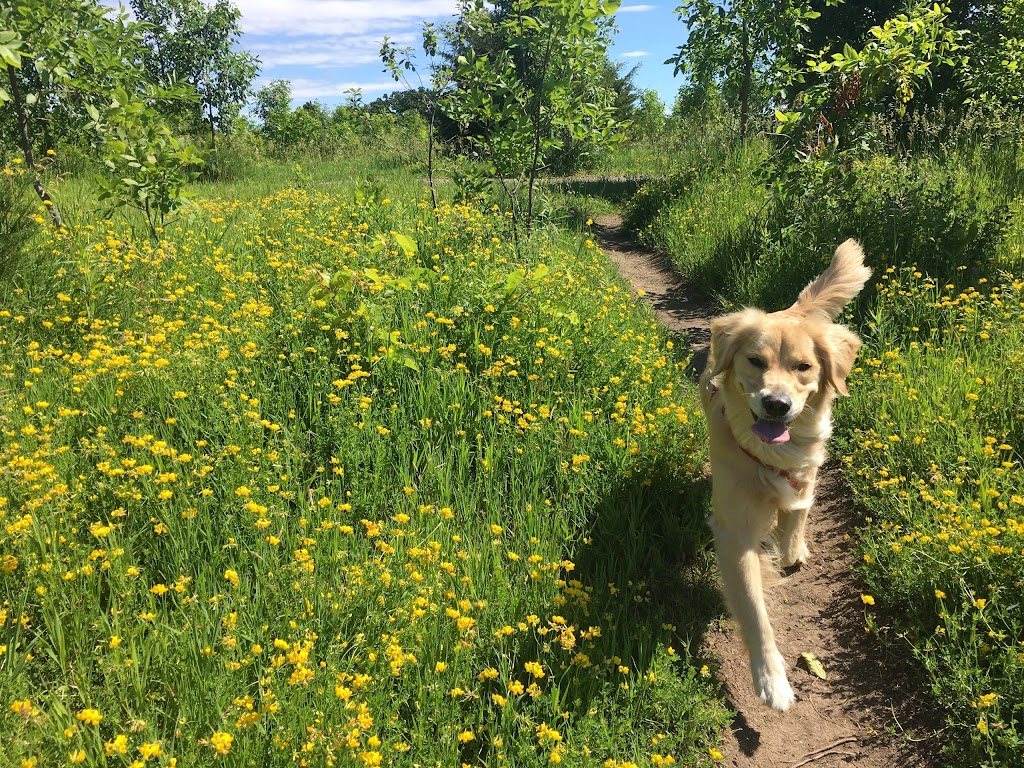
(860, 715)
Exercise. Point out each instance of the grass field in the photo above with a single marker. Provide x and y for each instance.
(324, 477)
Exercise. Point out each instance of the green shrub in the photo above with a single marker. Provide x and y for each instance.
(233, 158)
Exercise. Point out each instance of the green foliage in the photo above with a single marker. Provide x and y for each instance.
(932, 440)
(648, 119)
(732, 47)
(273, 108)
(310, 131)
(236, 524)
(843, 96)
(702, 214)
(237, 156)
(992, 74)
(64, 60)
(886, 74)
(188, 41)
(932, 433)
(520, 101)
(400, 63)
(150, 168)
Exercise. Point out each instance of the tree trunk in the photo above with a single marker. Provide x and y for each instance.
(213, 132)
(745, 82)
(537, 128)
(26, 147)
(430, 152)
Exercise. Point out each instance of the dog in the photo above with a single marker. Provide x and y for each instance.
(767, 393)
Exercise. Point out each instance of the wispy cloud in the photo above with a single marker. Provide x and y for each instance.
(634, 54)
(324, 17)
(325, 52)
(637, 8)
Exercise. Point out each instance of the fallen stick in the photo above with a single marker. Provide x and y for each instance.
(821, 755)
(820, 752)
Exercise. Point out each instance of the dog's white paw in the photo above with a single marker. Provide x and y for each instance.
(797, 555)
(771, 684)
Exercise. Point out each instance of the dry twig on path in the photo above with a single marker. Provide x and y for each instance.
(825, 751)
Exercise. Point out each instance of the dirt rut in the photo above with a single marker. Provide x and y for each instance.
(867, 713)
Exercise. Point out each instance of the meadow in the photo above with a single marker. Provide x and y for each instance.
(323, 476)
(931, 438)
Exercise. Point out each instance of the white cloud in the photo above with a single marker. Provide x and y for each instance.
(324, 52)
(636, 8)
(634, 54)
(350, 17)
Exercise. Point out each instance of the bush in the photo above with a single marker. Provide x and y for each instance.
(234, 157)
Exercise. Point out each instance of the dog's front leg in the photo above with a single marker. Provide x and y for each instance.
(792, 545)
(739, 563)
(792, 522)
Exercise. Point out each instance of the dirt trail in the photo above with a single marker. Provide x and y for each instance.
(860, 716)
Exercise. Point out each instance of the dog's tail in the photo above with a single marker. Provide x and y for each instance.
(834, 288)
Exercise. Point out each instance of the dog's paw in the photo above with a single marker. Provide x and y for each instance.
(798, 556)
(772, 686)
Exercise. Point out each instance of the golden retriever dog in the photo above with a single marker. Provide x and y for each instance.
(767, 392)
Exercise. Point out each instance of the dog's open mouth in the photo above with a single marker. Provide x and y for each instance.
(771, 431)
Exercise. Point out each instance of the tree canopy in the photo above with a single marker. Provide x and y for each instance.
(188, 41)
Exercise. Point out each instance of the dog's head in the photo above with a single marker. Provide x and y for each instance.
(783, 360)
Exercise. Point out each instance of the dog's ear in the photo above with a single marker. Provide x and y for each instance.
(837, 348)
(726, 335)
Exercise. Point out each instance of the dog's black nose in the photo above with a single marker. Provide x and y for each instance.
(776, 406)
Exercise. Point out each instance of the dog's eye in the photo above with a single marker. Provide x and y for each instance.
(804, 367)
(757, 362)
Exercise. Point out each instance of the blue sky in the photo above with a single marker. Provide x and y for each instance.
(325, 47)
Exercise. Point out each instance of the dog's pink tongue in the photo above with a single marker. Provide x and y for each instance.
(771, 431)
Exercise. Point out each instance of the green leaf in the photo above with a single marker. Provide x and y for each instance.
(406, 243)
(813, 665)
(513, 281)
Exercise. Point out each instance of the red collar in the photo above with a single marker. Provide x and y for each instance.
(795, 484)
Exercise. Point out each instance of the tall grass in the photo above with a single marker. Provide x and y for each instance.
(751, 242)
(326, 478)
(932, 442)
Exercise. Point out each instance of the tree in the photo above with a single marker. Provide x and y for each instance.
(400, 64)
(992, 77)
(399, 102)
(732, 45)
(187, 41)
(895, 66)
(528, 80)
(273, 108)
(62, 60)
(649, 116)
(840, 24)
